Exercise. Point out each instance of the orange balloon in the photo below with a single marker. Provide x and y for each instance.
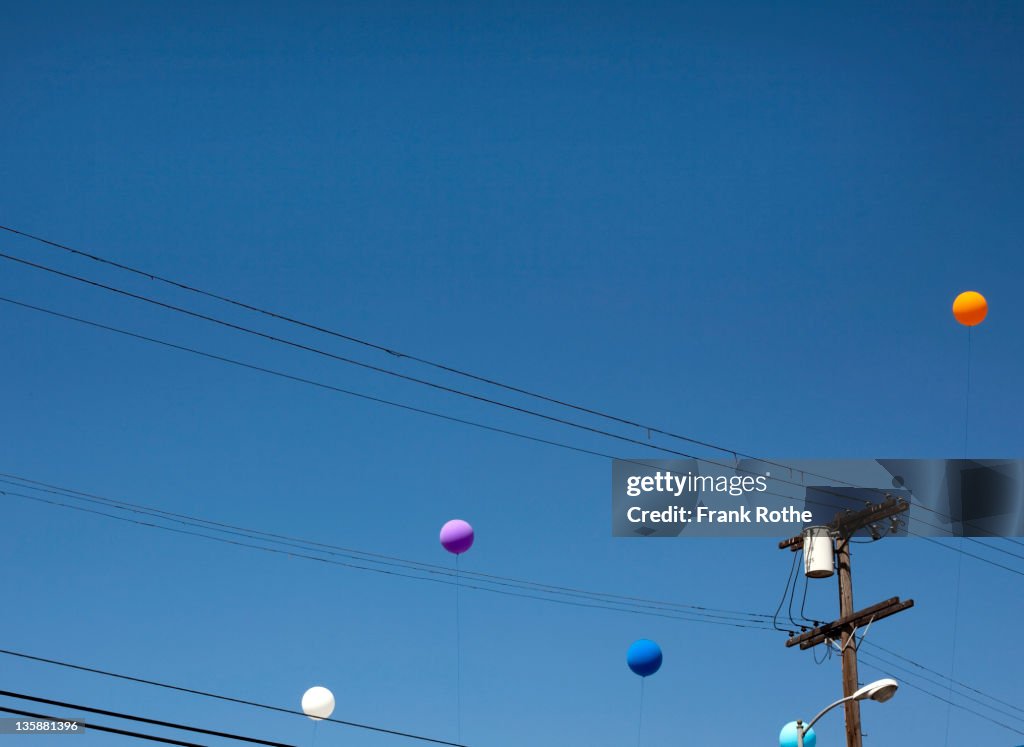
(970, 308)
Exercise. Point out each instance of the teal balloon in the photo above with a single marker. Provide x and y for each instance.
(787, 737)
(644, 657)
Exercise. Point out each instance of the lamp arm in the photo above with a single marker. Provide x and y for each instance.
(814, 720)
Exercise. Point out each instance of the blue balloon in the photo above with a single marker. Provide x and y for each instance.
(787, 737)
(644, 657)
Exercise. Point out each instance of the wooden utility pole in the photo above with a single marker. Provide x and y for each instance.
(849, 650)
(844, 526)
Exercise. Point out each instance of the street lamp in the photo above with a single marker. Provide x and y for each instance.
(879, 691)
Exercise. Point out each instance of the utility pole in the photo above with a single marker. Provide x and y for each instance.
(849, 651)
(843, 527)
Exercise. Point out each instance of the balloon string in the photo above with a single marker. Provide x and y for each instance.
(960, 555)
(967, 398)
(956, 621)
(458, 656)
(640, 721)
(316, 725)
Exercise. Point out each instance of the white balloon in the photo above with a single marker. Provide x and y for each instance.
(318, 703)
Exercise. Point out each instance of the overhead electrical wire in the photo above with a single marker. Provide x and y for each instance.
(461, 392)
(450, 369)
(792, 592)
(519, 594)
(363, 556)
(883, 668)
(107, 729)
(383, 348)
(871, 661)
(379, 400)
(782, 601)
(986, 703)
(424, 382)
(433, 384)
(526, 593)
(143, 719)
(649, 428)
(391, 351)
(424, 411)
(351, 361)
(452, 390)
(793, 568)
(225, 698)
(303, 380)
(803, 604)
(382, 370)
(937, 673)
(974, 540)
(970, 554)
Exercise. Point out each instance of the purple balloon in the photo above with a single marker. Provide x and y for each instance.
(457, 536)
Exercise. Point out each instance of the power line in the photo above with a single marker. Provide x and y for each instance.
(911, 661)
(402, 406)
(399, 375)
(302, 380)
(241, 701)
(364, 556)
(948, 684)
(752, 615)
(388, 372)
(382, 348)
(462, 373)
(959, 683)
(648, 610)
(919, 520)
(972, 555)
(803, 604)
(379, 400)
(350, 338)
(377, 369)
(792, 591)
(108, 729)
(411, 408)
(351, 361)
(883, 669)
(782, 601)
(225, 698)
(431, 384)
(144, 720)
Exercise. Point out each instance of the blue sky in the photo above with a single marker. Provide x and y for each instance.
(740, 222)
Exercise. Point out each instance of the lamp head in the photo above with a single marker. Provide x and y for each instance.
(880, 690)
